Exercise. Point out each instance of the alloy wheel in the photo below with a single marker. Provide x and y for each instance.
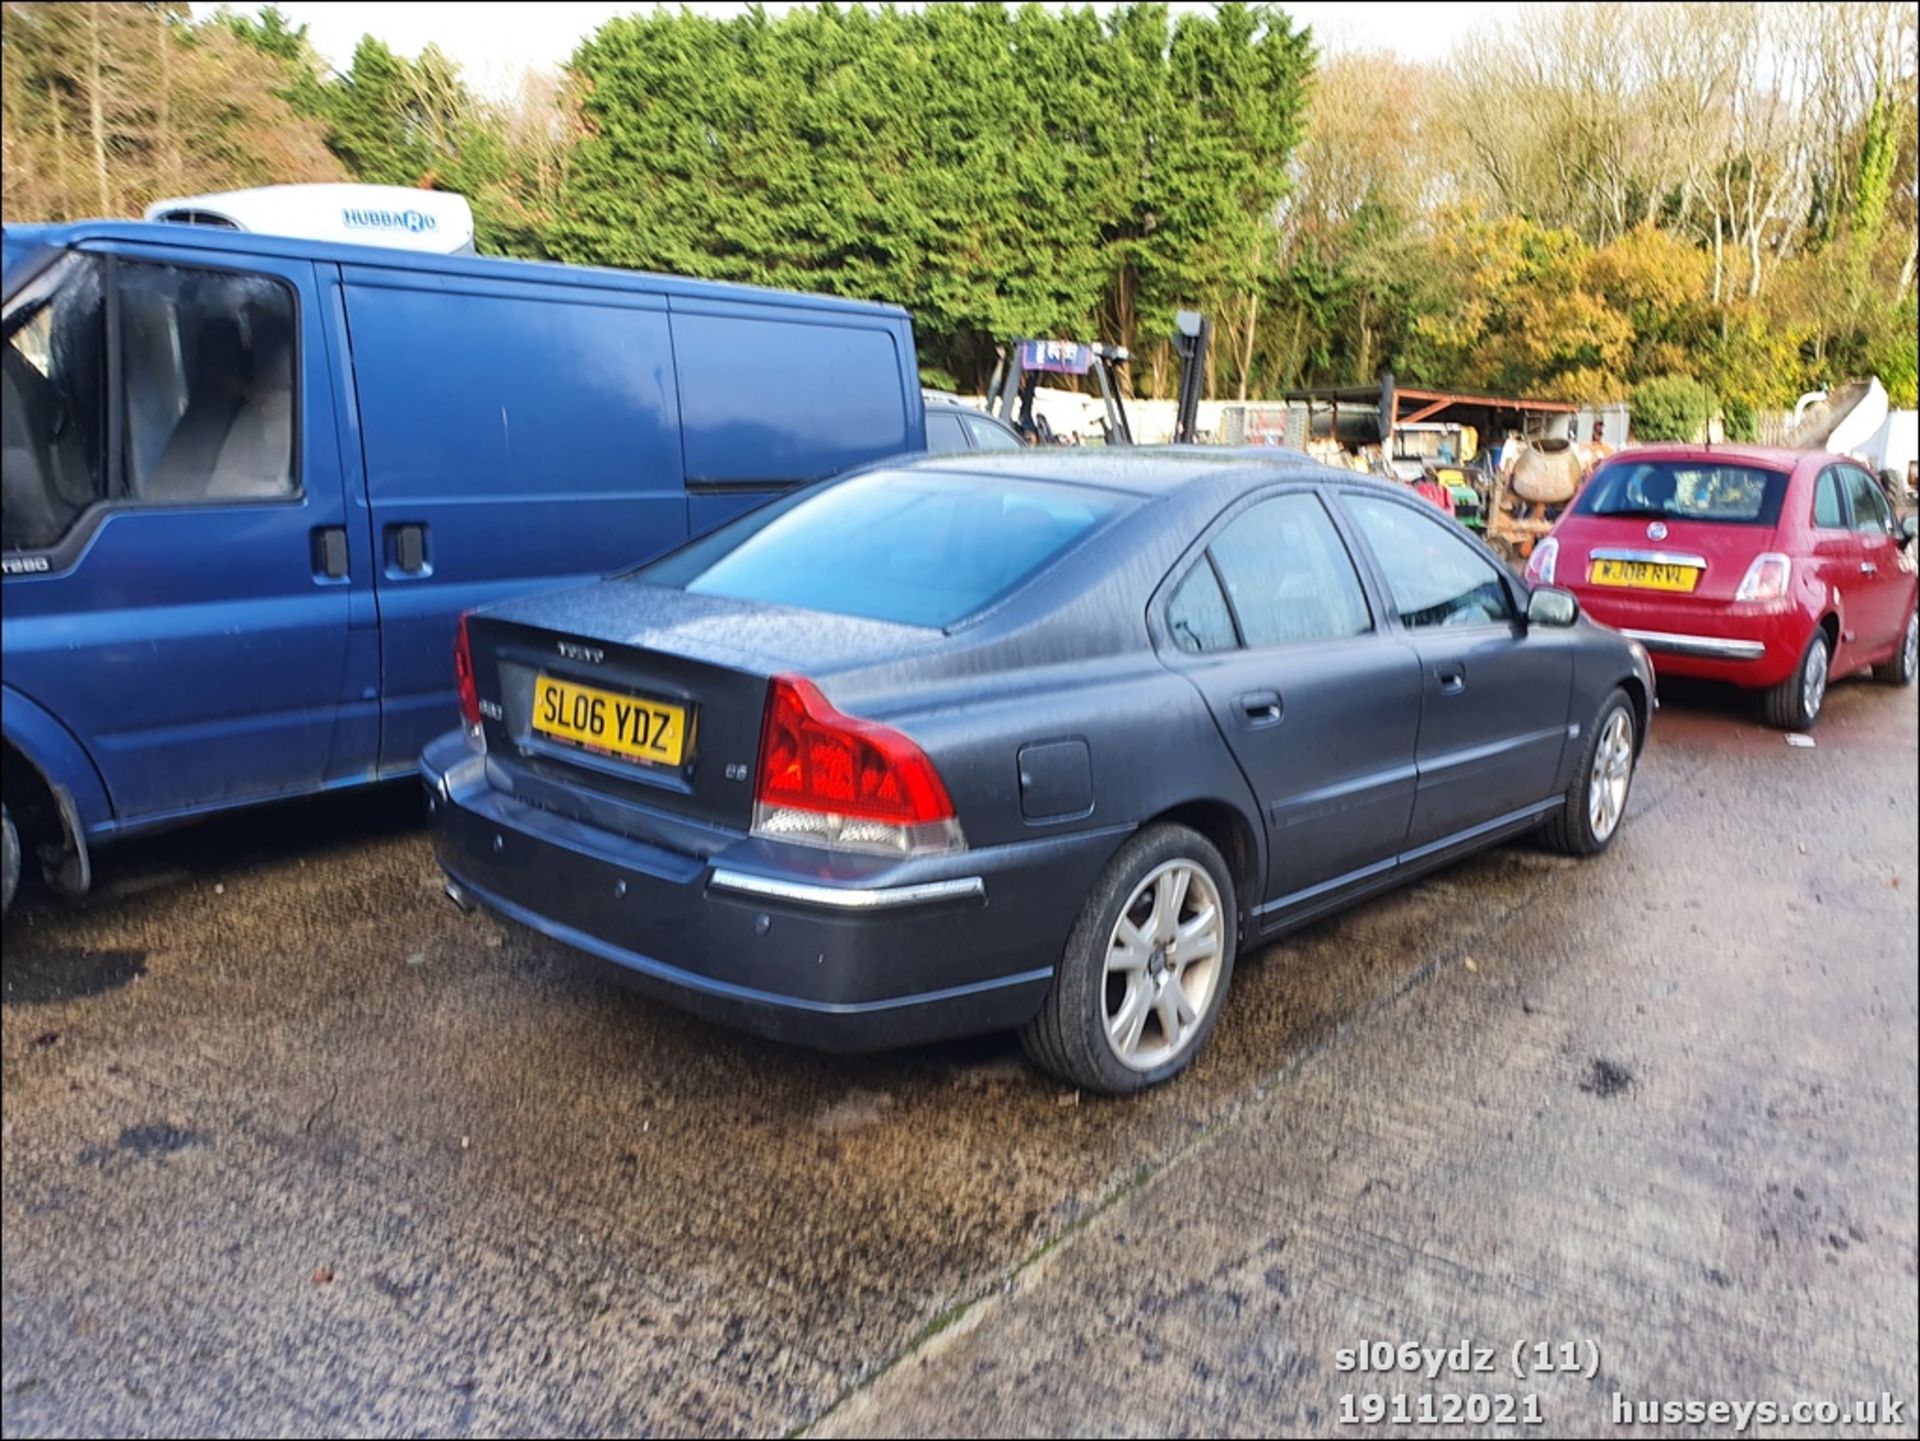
(1163, 964)
(1813, 680)
(1612, 772)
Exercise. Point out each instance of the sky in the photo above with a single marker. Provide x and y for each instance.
(495, 41)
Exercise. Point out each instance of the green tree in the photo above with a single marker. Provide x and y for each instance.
(273, 33)
(999, 172)
(1671, 407)
(1617, 195)
(105, 108)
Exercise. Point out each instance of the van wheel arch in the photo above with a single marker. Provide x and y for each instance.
(48, 823)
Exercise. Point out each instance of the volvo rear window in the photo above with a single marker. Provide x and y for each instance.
(1702, 490)
(912, 547)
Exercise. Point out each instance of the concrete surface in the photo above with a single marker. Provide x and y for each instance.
(292, 1146)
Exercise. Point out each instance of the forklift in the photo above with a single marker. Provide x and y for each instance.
(1020, 366)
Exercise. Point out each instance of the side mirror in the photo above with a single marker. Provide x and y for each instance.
(1552, 606)
(1909, 527)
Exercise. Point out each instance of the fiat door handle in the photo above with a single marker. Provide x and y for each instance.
(1260, 708)
(1452, 682)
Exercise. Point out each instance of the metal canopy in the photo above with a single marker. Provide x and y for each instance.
(1485, 402)
(1395, 406)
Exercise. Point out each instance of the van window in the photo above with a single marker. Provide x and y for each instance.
(774, 400)
(207, 365)
(206, 406)
(54, 414)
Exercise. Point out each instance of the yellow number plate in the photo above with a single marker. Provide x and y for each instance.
(621, 725)
(1643, 575)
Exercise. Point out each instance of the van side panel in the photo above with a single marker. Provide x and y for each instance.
(515, 436)
(772, 397)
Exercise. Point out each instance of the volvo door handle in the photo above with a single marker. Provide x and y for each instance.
(1260, 708)
(1452, 681)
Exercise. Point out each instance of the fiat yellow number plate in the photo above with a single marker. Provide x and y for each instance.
(1643, 575)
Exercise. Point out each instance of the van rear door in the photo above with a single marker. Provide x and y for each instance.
(177, 591)
(516, 435)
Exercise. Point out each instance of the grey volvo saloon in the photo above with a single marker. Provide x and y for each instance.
(1033, 740)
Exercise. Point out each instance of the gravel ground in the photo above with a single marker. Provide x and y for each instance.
(292, 1145)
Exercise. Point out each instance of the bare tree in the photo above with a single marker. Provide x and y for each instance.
(108, 106)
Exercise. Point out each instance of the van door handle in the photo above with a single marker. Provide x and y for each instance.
(1260, 708)
(330, 552)
(407, 548)
(1453, 680)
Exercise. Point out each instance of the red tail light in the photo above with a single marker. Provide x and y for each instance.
(463, 676)
(829, 779)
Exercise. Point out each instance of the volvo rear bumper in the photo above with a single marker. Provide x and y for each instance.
(772, 938)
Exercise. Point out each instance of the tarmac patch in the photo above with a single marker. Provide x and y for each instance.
(140, 1143)
(67, 973)
(1606, 1079)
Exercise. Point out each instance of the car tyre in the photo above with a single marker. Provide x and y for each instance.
(1127, 1009)
(1597, 800)
(9, 860)
(1899, 670)
(1795, 704)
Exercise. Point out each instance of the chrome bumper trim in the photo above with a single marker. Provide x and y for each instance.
(842, 898)
(1648, 557)
(1706, 645)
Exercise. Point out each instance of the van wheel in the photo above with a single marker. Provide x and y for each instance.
(1899, 670)
(1146, 971)
(9, 860)
(1794, 704)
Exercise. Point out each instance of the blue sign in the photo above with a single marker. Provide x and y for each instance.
(413, 221)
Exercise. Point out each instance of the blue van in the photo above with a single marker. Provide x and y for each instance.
(251, 482)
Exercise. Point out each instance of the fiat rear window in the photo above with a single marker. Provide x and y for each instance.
(1693, 490)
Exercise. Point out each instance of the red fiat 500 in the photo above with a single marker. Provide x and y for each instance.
(1777, 570)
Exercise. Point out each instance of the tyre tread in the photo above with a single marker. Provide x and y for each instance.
(1894, 672)
(9, 859)
(1782, 702)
